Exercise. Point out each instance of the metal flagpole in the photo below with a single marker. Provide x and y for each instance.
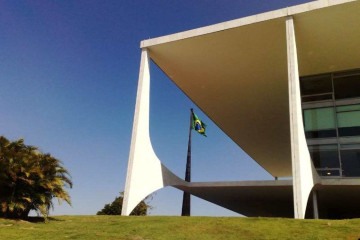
(186, 197)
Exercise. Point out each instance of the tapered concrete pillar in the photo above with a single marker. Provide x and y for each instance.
(145, 172)
(303, 171)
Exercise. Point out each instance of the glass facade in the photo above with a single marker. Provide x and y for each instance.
(331, 113)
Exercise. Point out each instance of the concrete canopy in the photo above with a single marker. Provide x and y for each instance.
(236, 71)
(337, 198)
(250, 198)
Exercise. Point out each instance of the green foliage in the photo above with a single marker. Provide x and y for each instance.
(29, 180)
(115, 207)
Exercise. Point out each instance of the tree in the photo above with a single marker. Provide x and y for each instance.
(115, 207)
(29, 180)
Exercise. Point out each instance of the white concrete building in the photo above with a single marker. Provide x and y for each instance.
(294, 73)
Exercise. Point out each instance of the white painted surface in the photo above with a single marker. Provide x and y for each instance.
(289, 11)
(145, 172)
(304, 174)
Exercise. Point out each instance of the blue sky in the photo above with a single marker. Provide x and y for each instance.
(68, 79)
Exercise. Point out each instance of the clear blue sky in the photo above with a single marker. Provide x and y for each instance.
(68, 79)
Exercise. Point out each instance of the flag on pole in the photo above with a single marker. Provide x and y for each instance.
(198, 125)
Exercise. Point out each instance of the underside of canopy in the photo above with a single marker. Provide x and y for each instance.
(236, 71)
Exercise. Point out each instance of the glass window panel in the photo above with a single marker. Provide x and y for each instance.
(347, 87)
(349, 119)
(349, 131)
(350, 160)
(325, 156)
(319, 119)
(316, 85)
(321, 134)
(347, 108)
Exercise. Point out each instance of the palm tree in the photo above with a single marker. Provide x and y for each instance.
(29, 180)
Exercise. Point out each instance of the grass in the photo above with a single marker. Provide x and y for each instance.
(173, 228)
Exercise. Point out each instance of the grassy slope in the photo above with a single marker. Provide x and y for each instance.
(172, 228)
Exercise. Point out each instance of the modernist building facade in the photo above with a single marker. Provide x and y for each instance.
(290, 81)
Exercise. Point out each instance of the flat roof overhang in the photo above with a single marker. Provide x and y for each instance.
(337, 198)
(236, 71)
(249, 198)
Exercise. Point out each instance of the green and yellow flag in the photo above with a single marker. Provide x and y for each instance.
(198, 125)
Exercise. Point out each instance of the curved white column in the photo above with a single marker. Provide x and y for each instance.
(303, 171)
(145, 173)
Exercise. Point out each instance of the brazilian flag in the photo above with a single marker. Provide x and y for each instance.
(198, 125)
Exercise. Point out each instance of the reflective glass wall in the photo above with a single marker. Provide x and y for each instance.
(331, 113)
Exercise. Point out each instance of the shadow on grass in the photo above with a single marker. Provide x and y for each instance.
(34, 219)
(41, 219)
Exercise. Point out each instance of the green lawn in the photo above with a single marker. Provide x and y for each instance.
(172, 228)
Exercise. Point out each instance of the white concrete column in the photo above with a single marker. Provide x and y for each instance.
(303, 171)
(145, 173)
